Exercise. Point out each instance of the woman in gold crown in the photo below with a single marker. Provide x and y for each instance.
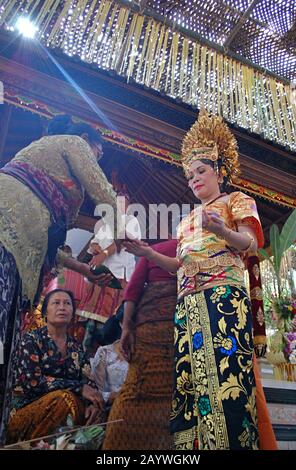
(214, 401)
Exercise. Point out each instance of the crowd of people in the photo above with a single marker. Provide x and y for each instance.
(178, 370)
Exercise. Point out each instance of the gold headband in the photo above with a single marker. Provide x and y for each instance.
(200, 153)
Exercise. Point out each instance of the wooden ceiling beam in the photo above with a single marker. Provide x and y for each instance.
(240, 23)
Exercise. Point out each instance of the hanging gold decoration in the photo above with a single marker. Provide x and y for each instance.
(115, 38)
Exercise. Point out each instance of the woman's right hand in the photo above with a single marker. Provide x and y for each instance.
(93, 395)
(127, 342)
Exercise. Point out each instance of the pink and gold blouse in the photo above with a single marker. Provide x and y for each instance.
(205, 259)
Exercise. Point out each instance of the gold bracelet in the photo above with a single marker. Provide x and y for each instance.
(106, 253)
(250, 246)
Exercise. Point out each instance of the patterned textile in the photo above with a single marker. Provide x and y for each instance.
(206, 260)
(100, 303)
(70, 164)
(10, 317)
(41, 369)
(108, 369)
(42, 185)
(50, 194)
(45, 415)
(214, 394)
(144, 402)
(69, 280)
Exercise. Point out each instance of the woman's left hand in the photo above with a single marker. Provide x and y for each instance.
(93, 395)
(93, 415)
(213, 222)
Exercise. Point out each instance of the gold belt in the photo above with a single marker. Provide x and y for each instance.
(193, 267)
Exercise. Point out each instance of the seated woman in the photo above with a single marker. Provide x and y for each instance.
(52, 376)
(109, 367)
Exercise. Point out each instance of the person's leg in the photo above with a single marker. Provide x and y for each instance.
(45, 415)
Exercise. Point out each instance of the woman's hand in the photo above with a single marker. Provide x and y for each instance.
(97, 260)
(112, 397)
(94, 396)
(101, 279)
(212, 222)
(127, 342)
(95, 248)
(93, 415)
(138, 248)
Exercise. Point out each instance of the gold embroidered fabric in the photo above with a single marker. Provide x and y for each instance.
(213, 406)
(24, 220)
(206, 260)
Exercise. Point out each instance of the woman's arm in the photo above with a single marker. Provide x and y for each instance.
(127, 340)
(88, 172)
(84, 269)
(139, 248)
(244, 240)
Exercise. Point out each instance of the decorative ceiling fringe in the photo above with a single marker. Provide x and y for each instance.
(140, 48)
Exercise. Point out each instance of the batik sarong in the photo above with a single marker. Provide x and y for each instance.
(214, 402)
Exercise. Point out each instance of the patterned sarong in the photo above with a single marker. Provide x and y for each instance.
(214, 402)
(144, 401)
(45, 415)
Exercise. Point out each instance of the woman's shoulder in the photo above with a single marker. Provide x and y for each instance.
(62, 142)
(238, 194)
(36, 334)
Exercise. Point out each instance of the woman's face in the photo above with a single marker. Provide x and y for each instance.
(203, 180)
(59, 309)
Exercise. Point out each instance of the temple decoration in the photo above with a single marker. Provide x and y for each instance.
(143, 148)
(165, 57)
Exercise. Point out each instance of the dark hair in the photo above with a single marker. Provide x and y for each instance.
(111, 330)
(63, 125)
(49, 294)
(67, 249)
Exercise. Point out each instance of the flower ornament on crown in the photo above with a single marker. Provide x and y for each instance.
(210, 138)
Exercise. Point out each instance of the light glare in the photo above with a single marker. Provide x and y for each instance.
(26, 28)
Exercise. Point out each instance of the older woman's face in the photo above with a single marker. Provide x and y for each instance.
(59, 309)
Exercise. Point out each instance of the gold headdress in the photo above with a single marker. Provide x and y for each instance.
(210, 138)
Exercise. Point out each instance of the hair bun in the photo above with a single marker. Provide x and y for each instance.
(59, 124)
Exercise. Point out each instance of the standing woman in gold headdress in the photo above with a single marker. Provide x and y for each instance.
(214, 401)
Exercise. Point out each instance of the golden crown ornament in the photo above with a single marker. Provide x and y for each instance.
(210, 138)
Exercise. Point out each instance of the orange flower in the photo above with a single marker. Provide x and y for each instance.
(34, 358)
